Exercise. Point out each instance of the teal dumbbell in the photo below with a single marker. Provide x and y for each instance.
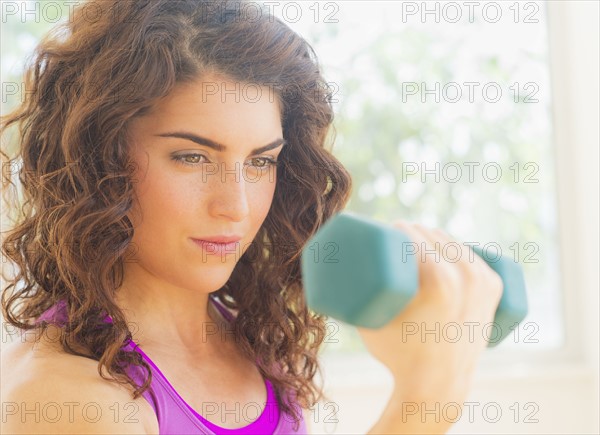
(362, 272)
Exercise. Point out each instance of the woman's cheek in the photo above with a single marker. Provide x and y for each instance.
(264, 199)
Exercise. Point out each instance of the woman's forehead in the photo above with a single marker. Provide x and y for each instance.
(209, 104)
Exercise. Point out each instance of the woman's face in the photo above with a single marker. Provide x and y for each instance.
(190, 190)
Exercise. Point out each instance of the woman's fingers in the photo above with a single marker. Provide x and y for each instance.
(450, 272)
(438, 278)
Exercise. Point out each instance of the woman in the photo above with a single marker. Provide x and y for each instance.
(174, 165)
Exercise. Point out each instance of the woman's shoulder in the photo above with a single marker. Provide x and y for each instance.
(47, 390)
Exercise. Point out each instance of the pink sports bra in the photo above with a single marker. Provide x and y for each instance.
(176, 416)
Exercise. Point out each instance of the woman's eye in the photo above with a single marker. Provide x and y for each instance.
(188, 159)
(266, 162)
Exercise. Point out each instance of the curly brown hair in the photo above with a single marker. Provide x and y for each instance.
(89, 81)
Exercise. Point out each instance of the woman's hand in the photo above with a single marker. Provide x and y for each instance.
(432, 346)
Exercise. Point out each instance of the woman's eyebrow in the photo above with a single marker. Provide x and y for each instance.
(217, 146)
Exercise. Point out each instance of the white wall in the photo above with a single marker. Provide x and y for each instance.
(556, 392)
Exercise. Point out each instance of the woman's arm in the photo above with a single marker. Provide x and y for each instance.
(432, 372)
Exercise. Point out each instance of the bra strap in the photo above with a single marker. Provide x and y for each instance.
(225, 312)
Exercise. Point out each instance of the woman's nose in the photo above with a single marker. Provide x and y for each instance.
(229, 195)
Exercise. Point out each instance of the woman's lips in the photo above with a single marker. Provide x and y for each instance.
(220, 238)
(217, 248)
